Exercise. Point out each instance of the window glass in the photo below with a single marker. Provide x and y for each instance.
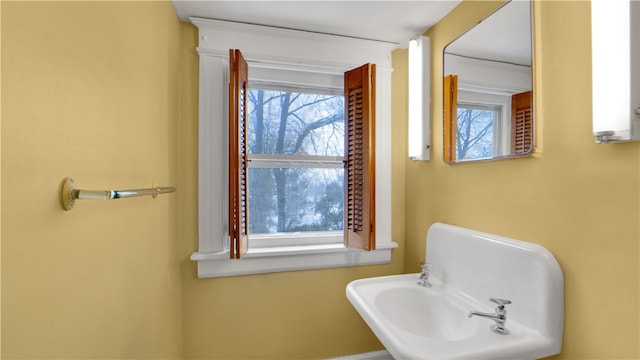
(475, 131)
(283, 122)
(295, 200)
(296, 141)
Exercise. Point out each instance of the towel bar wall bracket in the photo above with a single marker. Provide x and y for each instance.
(69, 194)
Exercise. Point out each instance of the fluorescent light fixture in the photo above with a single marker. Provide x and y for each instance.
(615, 70)
(419, 98)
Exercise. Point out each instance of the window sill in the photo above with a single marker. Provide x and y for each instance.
(289, 258)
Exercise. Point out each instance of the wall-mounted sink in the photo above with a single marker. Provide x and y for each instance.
(469, 267)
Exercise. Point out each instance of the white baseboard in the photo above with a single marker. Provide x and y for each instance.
(374, 355)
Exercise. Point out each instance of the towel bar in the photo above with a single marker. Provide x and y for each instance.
(69, 194)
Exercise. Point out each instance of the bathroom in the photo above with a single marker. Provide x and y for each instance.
(107, 92)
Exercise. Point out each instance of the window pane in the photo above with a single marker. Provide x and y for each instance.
(282, 122)
(474, 135)
(295, 200)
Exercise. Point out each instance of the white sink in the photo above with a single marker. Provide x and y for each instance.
(469, 267)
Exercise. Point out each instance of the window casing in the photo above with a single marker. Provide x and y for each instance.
(293, 60)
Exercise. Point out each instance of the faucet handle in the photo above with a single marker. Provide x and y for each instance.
(501, 302)
(423, 280)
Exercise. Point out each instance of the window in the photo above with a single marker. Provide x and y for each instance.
(296, 153)
(285, 63)
(492, 124)
(296, 171)
(479, 123)
(310, 152)
(483, 124)
(477, 135)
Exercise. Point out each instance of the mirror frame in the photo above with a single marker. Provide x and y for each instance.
(450, 99)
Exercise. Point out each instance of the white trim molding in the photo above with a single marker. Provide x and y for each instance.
(289, 258)
(374, 355)
(268, 48)
(290, 47)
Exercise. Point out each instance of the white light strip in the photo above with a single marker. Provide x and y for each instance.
(419, 98)
(611, 69)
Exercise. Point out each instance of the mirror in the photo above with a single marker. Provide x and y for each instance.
(488, 88)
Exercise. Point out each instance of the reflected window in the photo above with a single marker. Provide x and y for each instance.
(475, 133)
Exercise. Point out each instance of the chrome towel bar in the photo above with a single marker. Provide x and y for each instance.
(69, 194)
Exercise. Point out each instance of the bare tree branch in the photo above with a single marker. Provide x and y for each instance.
(315, 125)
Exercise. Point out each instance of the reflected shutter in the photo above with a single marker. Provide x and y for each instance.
(521, 123)
(359, 174)
(238, 202)
(450, 95)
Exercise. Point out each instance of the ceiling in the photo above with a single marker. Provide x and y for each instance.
(503, 36)
(389, 21)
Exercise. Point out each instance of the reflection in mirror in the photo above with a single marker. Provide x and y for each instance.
(488, 88)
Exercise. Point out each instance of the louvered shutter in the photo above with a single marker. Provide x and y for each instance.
(521, 123)
(359, 173)
(238, 201)
(450, 95)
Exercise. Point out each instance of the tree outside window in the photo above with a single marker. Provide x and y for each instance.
(475, 131)
(302, 127)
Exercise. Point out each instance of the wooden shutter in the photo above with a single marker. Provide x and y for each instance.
(238, 201)
(359, 173)
(521, 123)
(450, 96)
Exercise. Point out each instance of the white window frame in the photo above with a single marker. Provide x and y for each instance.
(493, 98)
(276, 48)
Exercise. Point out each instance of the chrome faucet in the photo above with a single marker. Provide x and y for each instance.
(500, 316)
(423, 280)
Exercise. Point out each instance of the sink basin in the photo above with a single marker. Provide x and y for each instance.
(469, 267)
(426, 313)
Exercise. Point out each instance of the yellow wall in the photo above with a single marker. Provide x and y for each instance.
(107, 93)
(90, 90)
(579, 199)
(0, 187)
